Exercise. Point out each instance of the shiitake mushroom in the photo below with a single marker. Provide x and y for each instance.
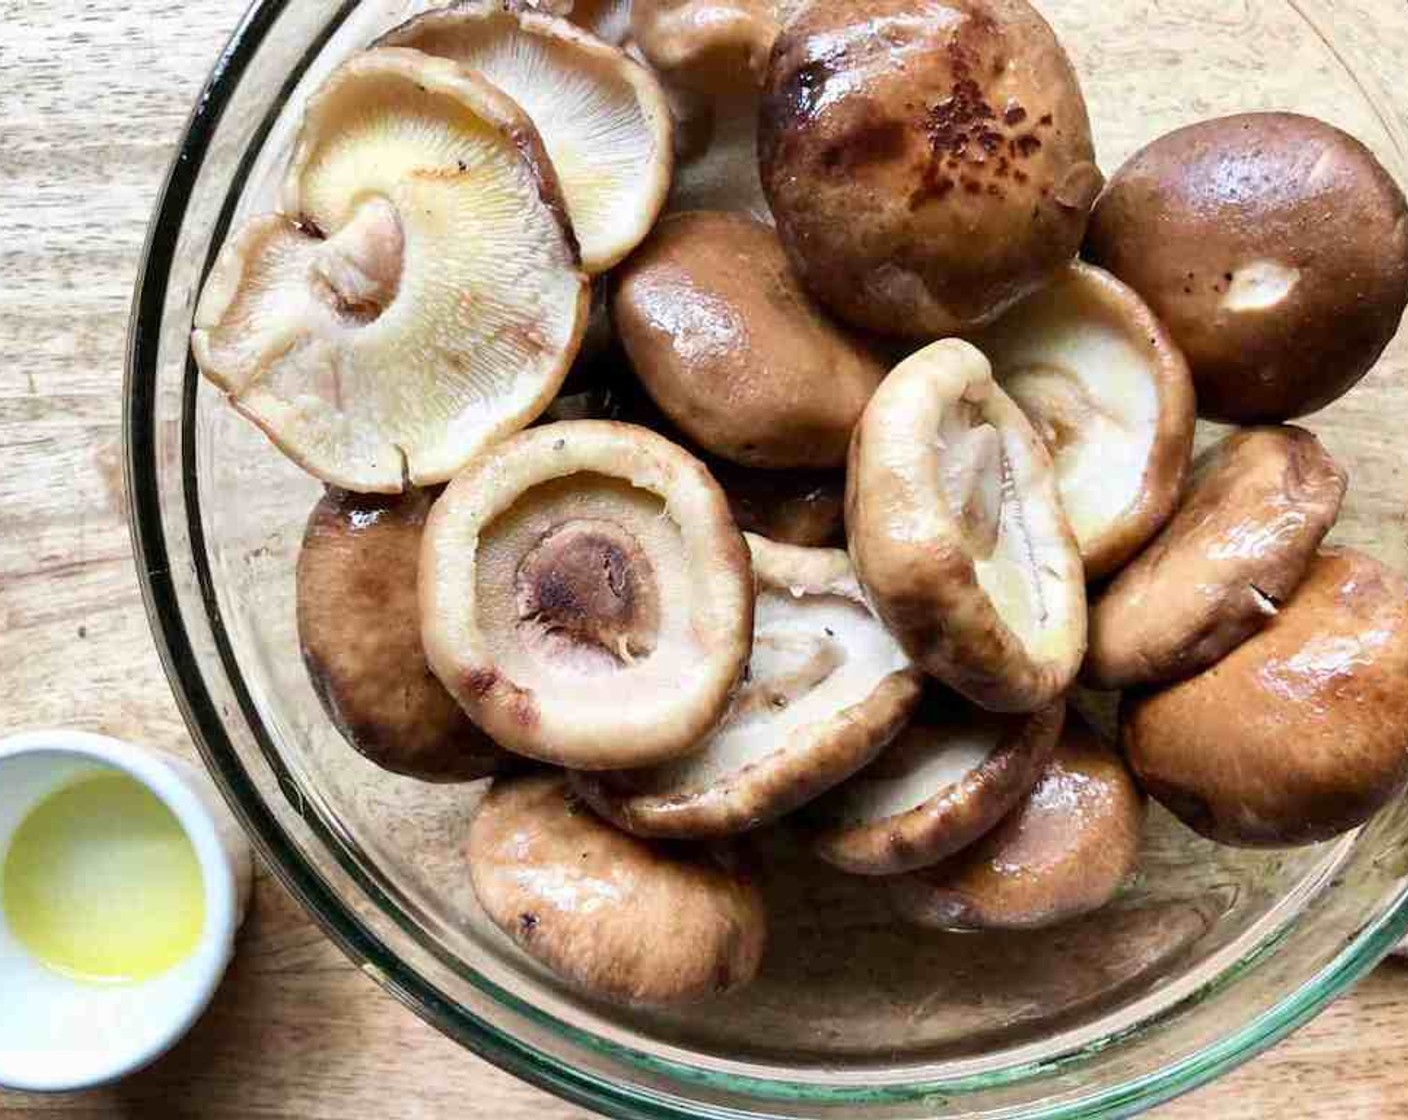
(587, 597)
(359, 627)
(619, 918)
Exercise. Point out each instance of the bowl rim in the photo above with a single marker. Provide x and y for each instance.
(365, 947)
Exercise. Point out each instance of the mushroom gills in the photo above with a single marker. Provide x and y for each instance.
(422, 299)
(603, 117)
(1096, 418)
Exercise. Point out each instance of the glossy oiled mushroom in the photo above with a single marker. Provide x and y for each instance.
(732, 349)
(1063, 852)
(958, 535)
(929, 162)
(1261, 502)
(422, 297)
(359, 625)
(603, 116)
(586, 596)
(947, 780)
(1299, 734)
(1275, 249)
(1108, 390)
(621, 919)
(826, 688)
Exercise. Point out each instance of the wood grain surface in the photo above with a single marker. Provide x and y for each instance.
(92, 98)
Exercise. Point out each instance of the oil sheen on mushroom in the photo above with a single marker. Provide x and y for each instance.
(618, 918)
(1299, 734)
(1261, 502)
(359, 626)
(1064, 851)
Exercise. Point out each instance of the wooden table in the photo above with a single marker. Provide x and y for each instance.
(92, 97)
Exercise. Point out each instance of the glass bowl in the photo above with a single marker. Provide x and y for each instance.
(1209, 957)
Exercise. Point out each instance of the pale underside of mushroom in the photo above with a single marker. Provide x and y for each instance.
(1112, 398)
(957, 532)
(825, 689)
(603, 117)
(423, 298)
(947, 780)
(585, 596)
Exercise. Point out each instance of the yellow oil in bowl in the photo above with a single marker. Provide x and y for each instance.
(101, 883)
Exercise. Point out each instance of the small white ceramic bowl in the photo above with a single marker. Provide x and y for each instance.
(59, 1034)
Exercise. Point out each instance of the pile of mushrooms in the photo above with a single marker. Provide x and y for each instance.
(625, 609)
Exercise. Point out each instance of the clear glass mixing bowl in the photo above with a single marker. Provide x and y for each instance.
(1210, 957)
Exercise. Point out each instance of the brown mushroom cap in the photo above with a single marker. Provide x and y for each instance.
(419, 297)
(929, 163)
(711, 46)
(730, 346)
(803, 508)
(359, 625)
(947, 780)
(826, 688)
(1299, 734)
(1102, 381)
(586, 596)
(608, 20)
(958, 536)
(621, 919)
(1260, 504)
(1063, 852)
(603, 116)
(1274, 247)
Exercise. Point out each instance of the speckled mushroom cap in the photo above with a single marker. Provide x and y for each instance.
(1063, 852)
(586, 596)
(619, 918)
(946, 781)
(929, 163)
(1299, 734)
(1108, 390)
(1260, 504)
(958, 536)
(826, 688)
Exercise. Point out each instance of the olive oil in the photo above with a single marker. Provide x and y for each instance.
(102, 884)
